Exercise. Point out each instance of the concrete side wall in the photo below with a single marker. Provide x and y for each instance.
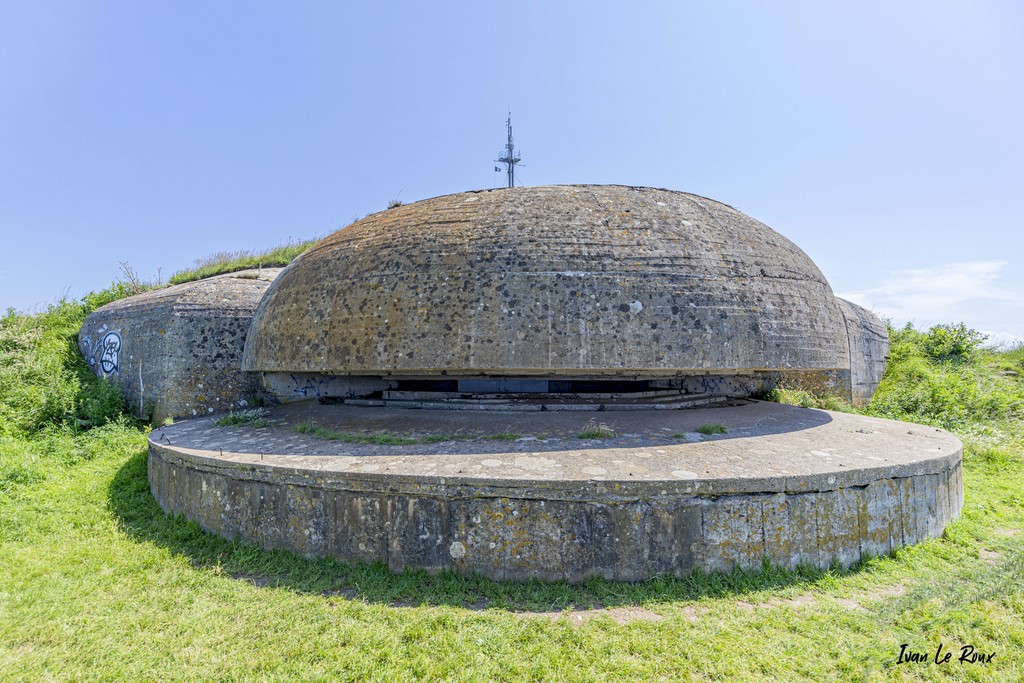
(287, 387)
(510, 532)
(869, 350)
(177, 351)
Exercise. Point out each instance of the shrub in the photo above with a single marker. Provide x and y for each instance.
(940, 378)
(44, 381)
(954, 343)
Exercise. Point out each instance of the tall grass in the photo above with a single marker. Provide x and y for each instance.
(49, 398)
(44, 381)
(939, 377)
(233, 261)
(942, 377)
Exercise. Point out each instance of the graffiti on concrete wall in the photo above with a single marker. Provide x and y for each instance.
(312, 386)
(110, 349)
(103, 358)
(87, 348)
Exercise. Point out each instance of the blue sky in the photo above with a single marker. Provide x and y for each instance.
(884, 138)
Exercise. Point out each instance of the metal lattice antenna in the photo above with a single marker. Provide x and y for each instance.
(510, 158)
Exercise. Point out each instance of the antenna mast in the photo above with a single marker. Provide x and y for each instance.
(510, 158)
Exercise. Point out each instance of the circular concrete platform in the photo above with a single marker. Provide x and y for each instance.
(785, 484)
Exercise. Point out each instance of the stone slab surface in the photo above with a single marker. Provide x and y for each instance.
(786, 484)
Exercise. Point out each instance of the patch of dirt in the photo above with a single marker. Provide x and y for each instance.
(850, 604)
(989, 556)
(405, 603)
(1006, 533)
(884, 592)
(692, 614)
(798, 601)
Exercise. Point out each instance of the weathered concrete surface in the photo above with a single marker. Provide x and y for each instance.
(177, 351)
(582, 281)
(869, 350)
(790, 485)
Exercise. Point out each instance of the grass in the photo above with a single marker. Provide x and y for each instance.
(383, 439)
(507, 435)
(253, 417)
(98, 583)
(593, 430)
(711, 428)
(233, 261)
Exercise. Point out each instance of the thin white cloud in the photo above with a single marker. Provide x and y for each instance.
(1001, 340)
(966, 291)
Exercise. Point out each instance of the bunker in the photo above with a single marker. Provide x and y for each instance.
(520, 383)
(177, 351)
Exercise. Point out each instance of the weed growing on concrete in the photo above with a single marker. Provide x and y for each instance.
(711, 428)
(440, 438)
(507, 435)
(253, 417)
(593, 430)
(381, 439)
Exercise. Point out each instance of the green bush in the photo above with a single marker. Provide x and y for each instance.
(954, 343)
(44, 381)
(939, 377)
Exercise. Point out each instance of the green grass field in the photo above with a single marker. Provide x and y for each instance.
(96, 583)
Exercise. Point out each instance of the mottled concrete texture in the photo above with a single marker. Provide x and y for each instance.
(869, 350)
(790, 485)
(177, 351)
(578, 280)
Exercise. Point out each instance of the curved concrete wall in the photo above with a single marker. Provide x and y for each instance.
(177, 351)
(869, 350)
(878, 485)
(545, 281)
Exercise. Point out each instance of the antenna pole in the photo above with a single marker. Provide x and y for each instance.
(509, 157)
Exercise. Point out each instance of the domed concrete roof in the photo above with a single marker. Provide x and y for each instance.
(573, 280)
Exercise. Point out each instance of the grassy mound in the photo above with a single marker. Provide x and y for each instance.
(233, 261)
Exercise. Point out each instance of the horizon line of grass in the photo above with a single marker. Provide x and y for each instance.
(233, 261)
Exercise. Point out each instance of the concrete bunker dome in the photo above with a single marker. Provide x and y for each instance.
(573, 281)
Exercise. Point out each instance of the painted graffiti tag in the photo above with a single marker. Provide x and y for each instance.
(110, 349)
(87, 351)
(311, 386)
